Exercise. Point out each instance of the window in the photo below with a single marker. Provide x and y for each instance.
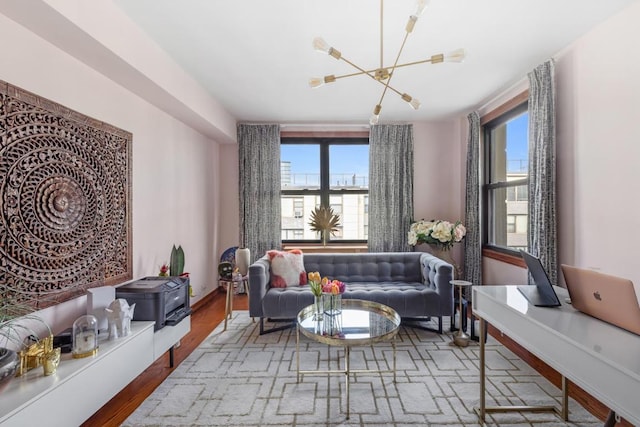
(324, 171)
(505, 198)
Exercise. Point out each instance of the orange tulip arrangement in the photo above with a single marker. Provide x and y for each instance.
(324, 285)
(330, 290)
(315, 283)
(333, 287)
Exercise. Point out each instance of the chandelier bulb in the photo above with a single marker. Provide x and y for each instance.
(321, 45)
(415, 104)
(376, 115)
(319, 81)
(316, 81)
(411, 23)
(457, 55)
(421, 5)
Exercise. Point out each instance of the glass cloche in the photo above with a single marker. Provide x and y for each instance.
(85, 336)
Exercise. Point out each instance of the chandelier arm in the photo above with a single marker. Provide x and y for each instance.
(368, 73)
(424, 61)
(354, 74)
(381, 33)
(362, 70)
(395, 64)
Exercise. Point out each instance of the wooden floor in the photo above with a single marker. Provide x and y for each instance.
(209, 312)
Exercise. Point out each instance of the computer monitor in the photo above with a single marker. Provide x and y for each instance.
(541, 293)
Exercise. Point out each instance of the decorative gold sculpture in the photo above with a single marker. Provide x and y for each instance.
(33, 356)
(20, 329)
(50, 361)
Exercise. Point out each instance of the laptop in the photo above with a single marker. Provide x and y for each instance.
(609, 298)
(540, 293)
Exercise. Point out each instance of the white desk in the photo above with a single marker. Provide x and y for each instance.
(600, 358)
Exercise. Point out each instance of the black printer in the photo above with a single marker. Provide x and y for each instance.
(164, 300)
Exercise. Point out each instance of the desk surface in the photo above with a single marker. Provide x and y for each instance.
(601, 358)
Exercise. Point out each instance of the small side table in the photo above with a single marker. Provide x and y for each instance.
(461, 338)
(231, 285)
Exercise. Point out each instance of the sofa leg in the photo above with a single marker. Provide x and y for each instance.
(413, 323)
(288, 325)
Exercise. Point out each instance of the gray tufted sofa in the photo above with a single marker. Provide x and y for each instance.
(415, 284)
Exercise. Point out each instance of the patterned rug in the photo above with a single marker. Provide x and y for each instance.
(239, 378)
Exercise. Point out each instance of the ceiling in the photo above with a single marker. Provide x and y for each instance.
(255, 56)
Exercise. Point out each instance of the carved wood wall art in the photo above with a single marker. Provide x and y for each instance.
(65, 201)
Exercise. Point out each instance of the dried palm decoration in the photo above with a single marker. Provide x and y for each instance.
(324, 220)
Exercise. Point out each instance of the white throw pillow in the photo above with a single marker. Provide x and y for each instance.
(287, 268)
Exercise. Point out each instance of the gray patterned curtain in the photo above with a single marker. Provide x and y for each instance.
(472, 243)
(542, 168)
(390, 187)
(259, 167)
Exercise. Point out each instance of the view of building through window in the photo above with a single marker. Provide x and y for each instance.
(336, 175)
(508, 182)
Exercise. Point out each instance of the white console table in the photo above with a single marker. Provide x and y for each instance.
(599, 357)
(82, 386)
(166, 338)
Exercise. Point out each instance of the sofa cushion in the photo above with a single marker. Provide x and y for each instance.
(367, 267)
(408, 299)
(287, 268)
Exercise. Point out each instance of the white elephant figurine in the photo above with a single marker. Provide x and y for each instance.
(119, 315)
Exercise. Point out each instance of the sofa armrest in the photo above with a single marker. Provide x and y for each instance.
(259, 282)
(438, 275)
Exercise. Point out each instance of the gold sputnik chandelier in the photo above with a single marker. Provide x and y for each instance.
(384, 74)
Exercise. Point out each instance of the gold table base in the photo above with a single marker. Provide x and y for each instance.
(347, 371)
(483, 409)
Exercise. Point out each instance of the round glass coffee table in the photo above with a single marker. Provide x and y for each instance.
(359, 323)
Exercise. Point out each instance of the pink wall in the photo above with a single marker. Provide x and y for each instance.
(439, 171)
(598, 94)
(175, 183)
(229, 199)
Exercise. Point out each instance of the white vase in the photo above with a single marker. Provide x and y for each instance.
(243, 256)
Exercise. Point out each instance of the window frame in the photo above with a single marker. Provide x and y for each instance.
(325, 192)
(500, 116)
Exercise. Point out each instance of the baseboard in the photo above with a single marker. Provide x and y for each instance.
(206, 299)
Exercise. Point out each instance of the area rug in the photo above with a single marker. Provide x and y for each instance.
(239, 378)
